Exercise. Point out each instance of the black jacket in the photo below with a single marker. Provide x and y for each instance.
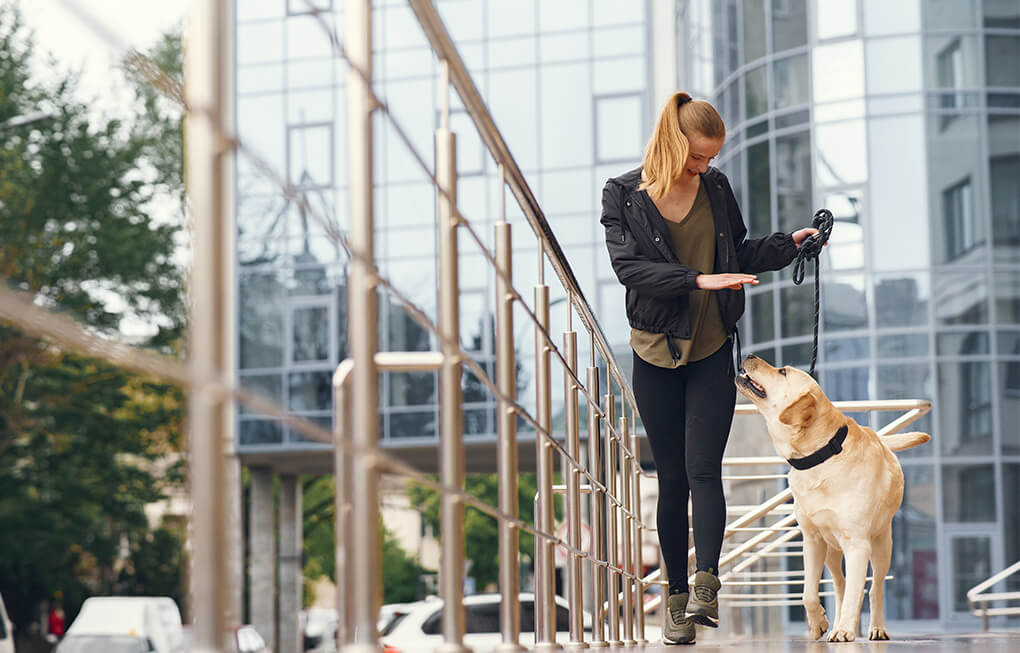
(658, 286)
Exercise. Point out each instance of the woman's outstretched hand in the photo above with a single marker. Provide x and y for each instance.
(727, 280)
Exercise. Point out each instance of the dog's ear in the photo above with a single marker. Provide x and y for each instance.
(801, 412)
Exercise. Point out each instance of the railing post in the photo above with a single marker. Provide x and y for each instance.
(342, 469)
(638, 533)
(612, 587)
(573, 482)
(509, 546)
(451, 404)
(545, 606)
(626, 527)
(598, 613)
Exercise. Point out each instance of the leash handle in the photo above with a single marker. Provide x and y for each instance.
(811, 248)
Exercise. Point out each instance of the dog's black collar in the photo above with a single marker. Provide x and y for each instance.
(831, 448)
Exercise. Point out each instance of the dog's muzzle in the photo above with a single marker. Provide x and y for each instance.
(745, 381)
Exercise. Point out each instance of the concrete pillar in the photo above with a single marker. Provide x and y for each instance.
(290, 564)
(262, 550)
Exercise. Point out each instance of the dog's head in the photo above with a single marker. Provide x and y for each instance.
(791, 402)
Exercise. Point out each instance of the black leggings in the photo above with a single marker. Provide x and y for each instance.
(687, 413)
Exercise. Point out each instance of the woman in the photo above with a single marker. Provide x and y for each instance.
(677, 242)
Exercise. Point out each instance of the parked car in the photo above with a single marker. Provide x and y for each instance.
(318, 628)
(125, 616)
(170, 617)
(391, 614)
(104, 644)
(420, 628)
(6, 630)
(248, 640)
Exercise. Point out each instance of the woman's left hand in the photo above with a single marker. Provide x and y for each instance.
(801, 235)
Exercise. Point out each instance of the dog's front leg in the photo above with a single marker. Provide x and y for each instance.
(881, 553)
(857, 553)
(814, 557)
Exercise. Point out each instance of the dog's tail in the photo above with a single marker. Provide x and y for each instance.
(901, 441)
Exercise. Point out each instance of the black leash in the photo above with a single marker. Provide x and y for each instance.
(811, 248)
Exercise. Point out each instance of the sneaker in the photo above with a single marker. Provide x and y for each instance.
(679, 629)
(703, 607)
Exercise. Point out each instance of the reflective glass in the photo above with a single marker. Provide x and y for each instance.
(566, 120)
(798, 355)
(412, 424)
(510, 17)
(404, 333)
(1011, 508)
(619, 127)
(260, 431)
(961, 297)
(950, 14)
(972, 563)
(915, 593)
(793, 181)
(612, 302)
(844, 303)
(902, 300)
(961, 343)
(836, 18)
(789, 24)
(511, 98)
(952, 63)
(260, 43)
(847, 384)
(845, 349)
(1004, 171)
(1002, 14)
(965, 408)
(758, 213)
(259, 121)
(464, 20)
(905, 345)
(268, 386)
(614, 42)
(841, 153)
(956, 201)
(512, 52)
(563, 15)
(898, 195)
(618, 75)
(259, 9)
(412, 388)
(846, 243)
(310, 390)
(838, 71)
(324, 422)
(310, 155)
(1009, 342)
(563, 46)
(754, 30)
(306, 38)
(763, 321)
(1002, 60)
(968, 493)
(882, 17)
(261, 320)
(305, 107)
(904, 76)
(261, 78)
(614, 12)
(310, 336)
(796, 310)
(791, 80)
(755, 93)
(1007, 297)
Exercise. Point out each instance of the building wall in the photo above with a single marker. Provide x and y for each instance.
(904, 120)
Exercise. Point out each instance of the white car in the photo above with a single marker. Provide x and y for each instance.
(318, 626)
(120, 619)
(6, 630)
(419, 630)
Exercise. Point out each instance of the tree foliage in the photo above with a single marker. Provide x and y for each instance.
(84, 446)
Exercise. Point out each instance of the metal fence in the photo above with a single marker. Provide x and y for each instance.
(608, 470)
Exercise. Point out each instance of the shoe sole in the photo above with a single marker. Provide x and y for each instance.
(684, 640)
(702, 615)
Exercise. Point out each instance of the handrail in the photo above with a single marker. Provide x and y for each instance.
(974, 595)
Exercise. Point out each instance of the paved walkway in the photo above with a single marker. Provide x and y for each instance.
(990, 642)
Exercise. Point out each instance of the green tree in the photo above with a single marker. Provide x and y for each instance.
(83, 444)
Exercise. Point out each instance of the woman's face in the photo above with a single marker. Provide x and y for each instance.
(703, 150)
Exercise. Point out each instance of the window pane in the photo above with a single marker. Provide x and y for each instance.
(1009, 407)
(950, 14)
(269, 386)
(965, 408)
(898, 195)
(790, 77)
(412, 388)
(1002, 60)
(969, 493)
(1002, 14)
(310, 155)
(842, 153)
(962, 343)
(412, 425)
(754, 30)
(758, 213)
(907, 381)
(797, 310)
(620, 127)
(881, 17)
(793, 181)
(1004, 169)
(755, 92)
(836, 18)
(1011, 534)
(914, 595)
(902, 300)
(903, 77)
(260, 431)
(789, 24)
(972, 563)
(838, 71)
(907, 345)
(844, 303)
(762, 325)
(845, 349)
(261, 320)
(510, 17)
(310, 391)
(565, 114)
(310, 339)
(846, 244)
(961, 297)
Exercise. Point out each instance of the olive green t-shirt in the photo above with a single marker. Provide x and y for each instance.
(694, 244)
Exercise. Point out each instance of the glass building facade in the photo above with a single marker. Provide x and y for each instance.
(903, 118)
(567, 83)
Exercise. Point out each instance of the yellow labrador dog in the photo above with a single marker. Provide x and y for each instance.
(846, 485)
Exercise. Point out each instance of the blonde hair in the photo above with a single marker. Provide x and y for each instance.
(667, 149)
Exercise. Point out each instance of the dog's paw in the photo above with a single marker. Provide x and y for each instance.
(817, 629)
(841, 635)
(878, 634)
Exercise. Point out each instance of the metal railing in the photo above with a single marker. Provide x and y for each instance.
(608, 471)
(978, 598)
